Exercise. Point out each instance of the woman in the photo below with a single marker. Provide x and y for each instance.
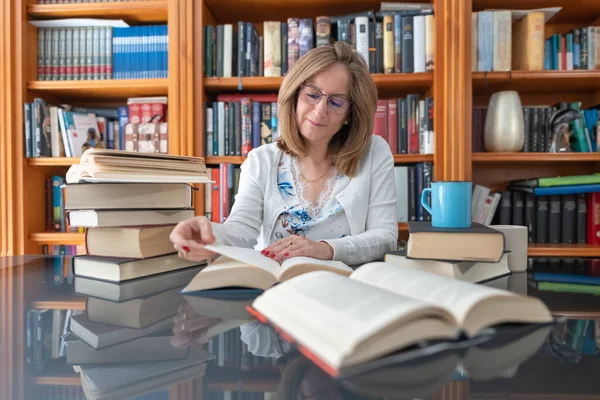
(326, 188)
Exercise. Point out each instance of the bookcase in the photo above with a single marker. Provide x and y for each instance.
(453, 85)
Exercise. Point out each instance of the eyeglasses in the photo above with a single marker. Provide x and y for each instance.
(312, 95)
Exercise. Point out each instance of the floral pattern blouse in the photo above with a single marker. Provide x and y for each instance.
(322, 220)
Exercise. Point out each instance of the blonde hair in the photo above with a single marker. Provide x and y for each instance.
(348, 144)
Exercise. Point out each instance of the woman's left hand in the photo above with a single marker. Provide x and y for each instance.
(294, 246)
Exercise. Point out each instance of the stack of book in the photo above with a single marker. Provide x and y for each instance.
(474, 254)
(130, 202)
(131, 271)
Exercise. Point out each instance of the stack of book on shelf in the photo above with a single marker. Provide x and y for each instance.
(473, 254)
(570, 275)
(562, 209)
(67, 131)
(397, 39)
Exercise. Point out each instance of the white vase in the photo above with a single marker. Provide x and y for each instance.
(504, 125)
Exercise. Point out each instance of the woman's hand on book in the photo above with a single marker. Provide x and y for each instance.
(190, 236)
(190, 327)
(297, 246)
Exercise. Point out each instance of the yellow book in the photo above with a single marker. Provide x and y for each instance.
(528, 42)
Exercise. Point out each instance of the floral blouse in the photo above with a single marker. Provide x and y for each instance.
(321, 221)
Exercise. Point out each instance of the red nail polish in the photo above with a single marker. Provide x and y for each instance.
(266, 253)
(286, 254)
(186, 249)
(272, 255)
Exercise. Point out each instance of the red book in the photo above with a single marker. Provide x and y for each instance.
(593, 218)
(392, 125)
(380, 125)
(216, 199)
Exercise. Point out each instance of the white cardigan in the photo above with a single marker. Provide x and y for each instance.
(369, 202)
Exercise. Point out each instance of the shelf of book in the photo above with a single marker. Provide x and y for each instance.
(52, 161)
(537, 82)
(61, 303)
(130, 11)
(579, 11)
(102, 89)
(74, 380)
(417, 82)
(563, 250)
(57, 238)
(238, 160)
(535, 157)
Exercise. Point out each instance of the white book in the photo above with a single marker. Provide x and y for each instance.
(502, 41)
(419, 43)
(401, 177)
(227, 49)
(272, 48)
(362, 37)
(221, 125)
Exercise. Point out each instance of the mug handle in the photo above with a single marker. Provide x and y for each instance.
(424, 200)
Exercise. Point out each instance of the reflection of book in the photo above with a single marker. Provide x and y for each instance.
(341, 322)
(469, 271)
(155, 347)
(135, 313)
(99, 335)
(239, 267)
(133, 380)
(220, 308)
(431, 367)
(134, 288)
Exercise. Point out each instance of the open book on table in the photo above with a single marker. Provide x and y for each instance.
(340, 322)
(248, 268)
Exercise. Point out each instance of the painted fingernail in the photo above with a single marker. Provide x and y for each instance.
(286, 254)
(265, 252)
(272, 256)
(186, 249)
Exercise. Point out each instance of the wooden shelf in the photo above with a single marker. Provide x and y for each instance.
(388, 84)
(580, 11)
(58, 380)
(398, 159)
(403, 226)
(563, 250)
(214, 160)
(52, 161)
(136, 11)
(537, 82)
(61, 303)
(535, 157)
(58, 238)
(231, 11)
(105, 89)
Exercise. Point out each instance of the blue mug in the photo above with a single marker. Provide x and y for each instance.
(450, 204)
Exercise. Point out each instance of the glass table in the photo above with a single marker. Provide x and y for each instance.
(66, 337)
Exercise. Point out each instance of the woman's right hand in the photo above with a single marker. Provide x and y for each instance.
(190, 236)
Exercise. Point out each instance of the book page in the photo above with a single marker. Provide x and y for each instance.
(247, 256)
(456, 296)
(306, 264)
(332, 314)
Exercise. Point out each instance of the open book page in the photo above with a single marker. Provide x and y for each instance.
(247, 256)
(458, 297)
(299, 265)
(332, 315)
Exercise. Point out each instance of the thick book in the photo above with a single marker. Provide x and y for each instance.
(129, 242)
(342, 322)
(116, 218)
(127, 196)
(114, 269)
(248, 268)
(476, 243)
(100, 165)
(470, 271)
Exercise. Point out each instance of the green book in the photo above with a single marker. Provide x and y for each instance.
(588, 179)
(568, 287)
